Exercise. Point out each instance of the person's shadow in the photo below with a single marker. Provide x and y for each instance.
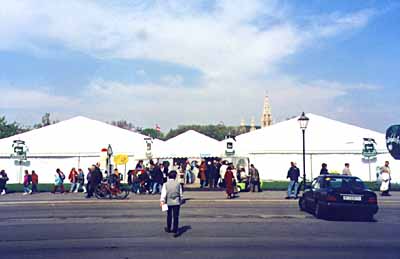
(182, 231)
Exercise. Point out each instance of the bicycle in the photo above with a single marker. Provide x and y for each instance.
(105, 190)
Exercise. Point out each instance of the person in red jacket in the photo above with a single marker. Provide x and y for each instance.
(35, 181)
(229, 178)
(73, 178)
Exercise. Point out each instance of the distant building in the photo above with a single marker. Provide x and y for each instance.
(243, 127)
(252, 124)
(266, 117)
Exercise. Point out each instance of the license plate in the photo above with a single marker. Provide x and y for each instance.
(351, 198)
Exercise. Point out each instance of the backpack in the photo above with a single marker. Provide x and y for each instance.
(62, 176)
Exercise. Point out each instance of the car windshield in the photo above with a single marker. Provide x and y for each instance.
(344, 183)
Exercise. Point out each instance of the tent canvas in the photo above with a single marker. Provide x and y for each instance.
(191, 144)
(81, 136)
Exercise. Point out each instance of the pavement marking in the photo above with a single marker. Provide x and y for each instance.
(94, 202)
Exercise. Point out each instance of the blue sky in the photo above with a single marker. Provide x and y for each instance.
(180, 62)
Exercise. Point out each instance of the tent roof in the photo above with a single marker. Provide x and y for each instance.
(79, 135)
(191, 144)
(322, 135)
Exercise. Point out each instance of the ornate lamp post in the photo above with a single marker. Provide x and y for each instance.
(303, 121)
(109, 164)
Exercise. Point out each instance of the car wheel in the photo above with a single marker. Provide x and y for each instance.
(319, 213)
(302, 204)
(368, 217)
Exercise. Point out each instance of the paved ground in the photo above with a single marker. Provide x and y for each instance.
(261, 225)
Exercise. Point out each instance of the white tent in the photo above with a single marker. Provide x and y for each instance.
(76, 142)
(335, 143)
(191, 144)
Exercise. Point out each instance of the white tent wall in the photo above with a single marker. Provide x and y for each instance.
(275, 166)
(44, 167)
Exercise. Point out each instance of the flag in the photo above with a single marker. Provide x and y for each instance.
(158, 129)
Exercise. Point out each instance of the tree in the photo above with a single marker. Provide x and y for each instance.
(218, 132)
(123, 124)
(9, 129)
(152, 133)
(46, 121)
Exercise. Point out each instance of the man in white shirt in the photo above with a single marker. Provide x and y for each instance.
(346, 170)
(222, 171)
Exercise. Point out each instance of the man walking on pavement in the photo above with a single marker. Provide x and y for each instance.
(171, 194)
(293, 174)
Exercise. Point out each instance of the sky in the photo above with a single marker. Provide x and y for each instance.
(200, 62)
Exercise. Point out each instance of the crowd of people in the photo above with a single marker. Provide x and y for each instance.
(149, 178)
(213, 174)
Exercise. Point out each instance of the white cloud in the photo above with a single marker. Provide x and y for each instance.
(34, 99)
(236, 45)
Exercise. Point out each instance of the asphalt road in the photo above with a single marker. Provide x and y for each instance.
(212, 228)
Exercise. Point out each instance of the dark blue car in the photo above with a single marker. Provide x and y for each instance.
(337, 195)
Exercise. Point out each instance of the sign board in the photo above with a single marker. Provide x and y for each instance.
(369, 150)
(393, 141)
(229, 151)
(121, 159)
(19, 150)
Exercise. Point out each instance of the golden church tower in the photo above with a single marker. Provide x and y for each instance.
(266, 118)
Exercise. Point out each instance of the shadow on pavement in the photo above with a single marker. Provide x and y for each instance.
(183, 230)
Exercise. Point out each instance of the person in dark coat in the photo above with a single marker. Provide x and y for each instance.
(3, 182)
(96, 176)
(293, 174)
(158, 179)
(324, 169)
(211, 172)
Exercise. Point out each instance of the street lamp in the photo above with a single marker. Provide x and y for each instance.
(109, 155)
(303, 121)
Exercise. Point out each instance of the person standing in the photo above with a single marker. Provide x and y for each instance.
(171, 194)
(96, 176)
(188, 173)
(202, 173)
(211, 174)
(157, 179)
(254, 179)
(181, 175)
(293, 174)
(88, 178)
(59, 178)
(133, 181)
(324, 169)
(73, 178)
(386, 177)
(81, 181)
(222, 171)
(346, 169)
(35, 181)
(3, 182)
(27, 182)
(229, 179)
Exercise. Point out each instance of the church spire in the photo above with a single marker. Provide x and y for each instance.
(266, 118)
